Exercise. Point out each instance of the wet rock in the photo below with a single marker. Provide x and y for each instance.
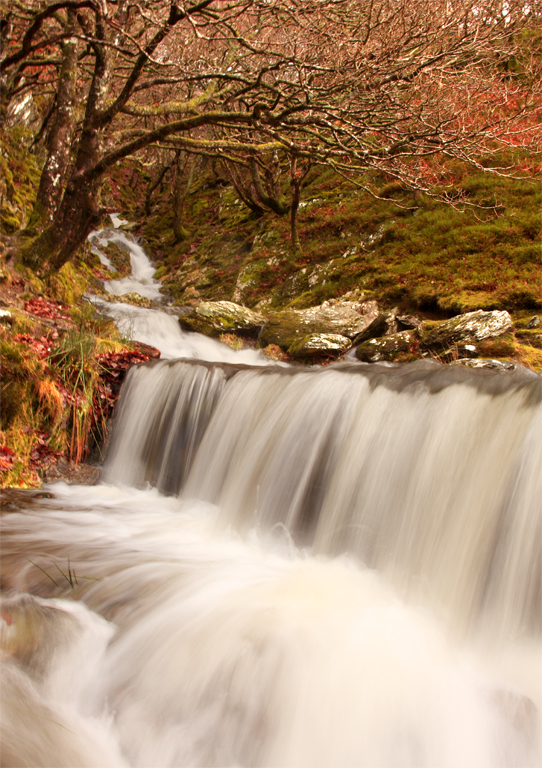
(385, 348)
(135, 299)
(467, 351)
(215, 317)
(147, 349)
(469, 328)
(408, 322)
(494, 365)
(379, 326)
(72, 474)
(315, 344)
(345, 318)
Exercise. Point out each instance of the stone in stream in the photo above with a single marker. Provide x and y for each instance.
(495, 365)
(133, 298)
(469, 328)
(215, 317)
(343, 318)
(386, 348)
(319, 343)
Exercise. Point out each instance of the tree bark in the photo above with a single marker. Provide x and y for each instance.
(297, 179)
(77, 215)
(183, 182)
(60, 136)
(276, 203)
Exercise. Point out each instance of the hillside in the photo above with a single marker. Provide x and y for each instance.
(405, 251)
(409, 254)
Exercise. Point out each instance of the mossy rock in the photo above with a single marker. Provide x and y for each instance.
(387, 348)
(317, 344)
(212, 318)
(484, 362)
(135, 299)
(345, 318)
(470, 328)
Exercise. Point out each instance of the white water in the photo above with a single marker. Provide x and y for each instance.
(155, 327)
(141, 280)
(230, 652)
(349, 577)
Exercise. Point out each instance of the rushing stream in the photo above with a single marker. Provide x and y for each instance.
(283, 567)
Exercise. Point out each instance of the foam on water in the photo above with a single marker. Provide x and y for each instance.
(233, 652)
(345, 570)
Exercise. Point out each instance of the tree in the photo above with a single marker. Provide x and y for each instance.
(378, 85)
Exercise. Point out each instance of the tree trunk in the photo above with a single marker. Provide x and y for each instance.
(77, 215)
(277, 204)
(152, 186)
(297, 177)
(183, 182)
(59, 138)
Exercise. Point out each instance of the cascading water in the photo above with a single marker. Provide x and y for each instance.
(158, 328)
(285, 567)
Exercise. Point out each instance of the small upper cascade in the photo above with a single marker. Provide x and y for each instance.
(154, 327)
(141, 280)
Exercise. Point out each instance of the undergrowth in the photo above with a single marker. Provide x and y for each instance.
(405, 250)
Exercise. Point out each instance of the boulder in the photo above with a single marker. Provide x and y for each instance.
(407, 322)
(343, 318)
(133, 298)
(215, 317)
(494, 365)
(385, 348)
(379, 326)
(315, 344)
(469, 328)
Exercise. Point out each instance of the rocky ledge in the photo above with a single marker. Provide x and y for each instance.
(330, 329)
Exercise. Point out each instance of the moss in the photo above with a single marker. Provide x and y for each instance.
(503, 347)
(19, 178)
(161, 272)
(529, 357)
(70, 283)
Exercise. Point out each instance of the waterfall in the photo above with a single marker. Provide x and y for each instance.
(427, 473)
(283, 566)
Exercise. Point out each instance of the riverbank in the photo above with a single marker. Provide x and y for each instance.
(373, 279)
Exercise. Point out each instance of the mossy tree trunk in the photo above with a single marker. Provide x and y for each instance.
(297, 176)
(272, 198)
(152, 186)
(186, 166)
(77, 215)
(59, 139)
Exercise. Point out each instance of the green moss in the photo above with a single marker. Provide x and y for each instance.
(19, 179)
(71, 282)
(425, 256)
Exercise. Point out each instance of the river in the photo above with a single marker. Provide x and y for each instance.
(283, 566)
